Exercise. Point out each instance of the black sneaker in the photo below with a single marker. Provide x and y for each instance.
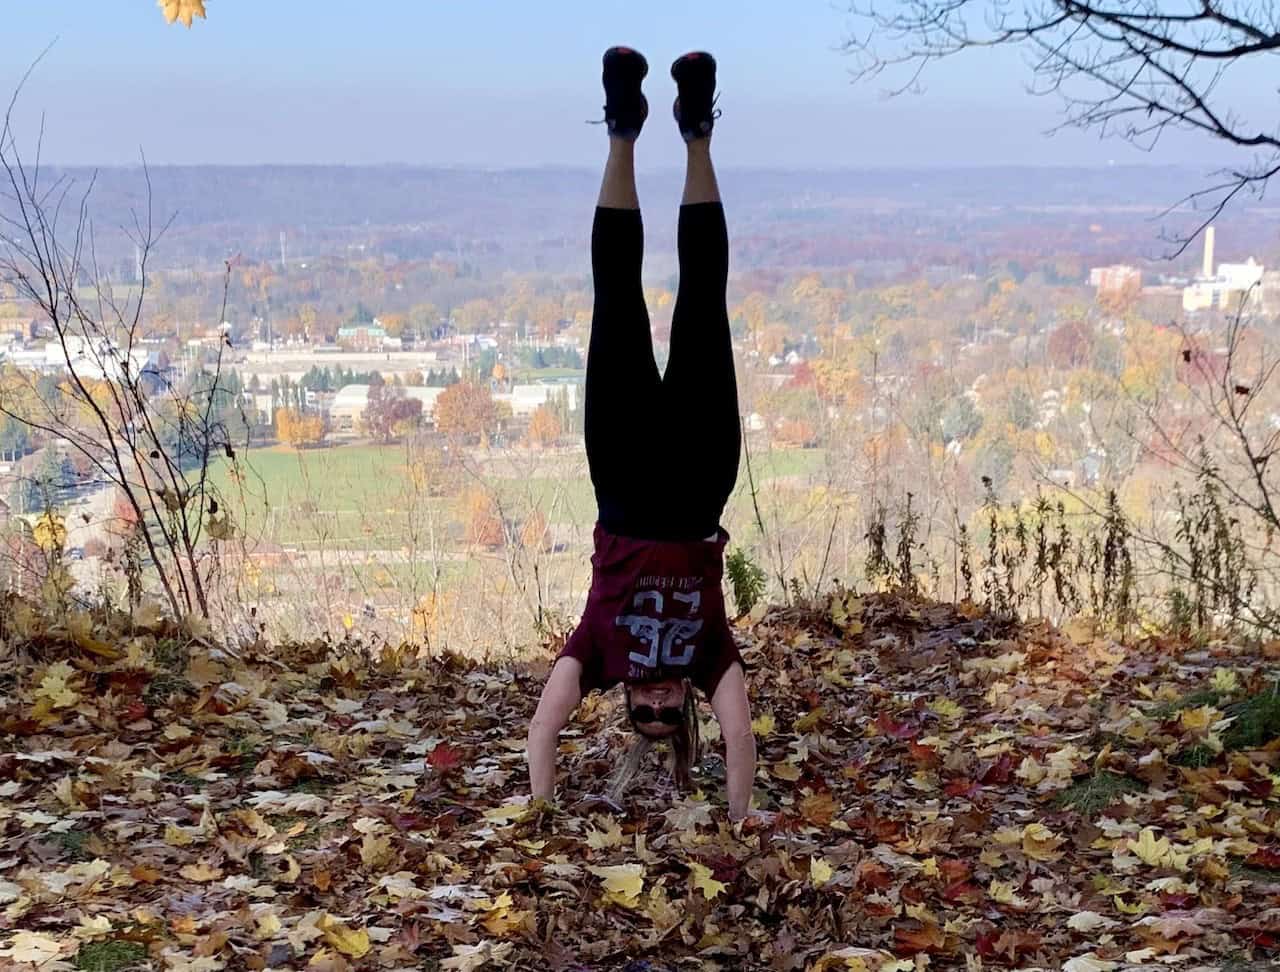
(695, 111)
(625, 106)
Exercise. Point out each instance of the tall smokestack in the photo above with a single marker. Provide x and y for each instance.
(1207, 269)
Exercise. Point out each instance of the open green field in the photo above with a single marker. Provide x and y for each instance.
(354, 497)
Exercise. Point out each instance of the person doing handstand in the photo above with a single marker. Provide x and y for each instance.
(663, 453)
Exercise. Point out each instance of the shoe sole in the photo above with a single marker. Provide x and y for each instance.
(627, 53)
(693, 57)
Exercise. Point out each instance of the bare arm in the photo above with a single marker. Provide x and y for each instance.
(733, 712)
(560, 696)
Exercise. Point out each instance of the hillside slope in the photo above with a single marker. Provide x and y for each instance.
(953, 791)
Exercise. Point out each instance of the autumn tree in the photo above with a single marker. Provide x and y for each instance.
(482, 519)
(1135, 70)
(393, 324)
(544, 426)
(1069, 344)
(475, 316)
(297, 430)
(391, 413)
(433, 471)
(466, 412)
(424, 318)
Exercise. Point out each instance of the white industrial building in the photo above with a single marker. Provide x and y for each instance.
(347, 409)
(1223, 285)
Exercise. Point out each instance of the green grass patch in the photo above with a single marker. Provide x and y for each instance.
(1195, 757)
(775, 463)
(1257, 721)
(110, 956)
(353, 497)
(172, 654)
(1093, 795)
(163, 687)
(1262, 875)
(183, 778)
(73, 844)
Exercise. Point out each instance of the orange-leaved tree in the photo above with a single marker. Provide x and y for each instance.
(466, 412)
(483, 520)
(544, 426)
(298, 430)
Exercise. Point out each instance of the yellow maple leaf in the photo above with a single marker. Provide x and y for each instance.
(201, 872)
(944, 708)
(177, 837)
(500, 919)
(820, 871)
(91, 928)
(185, 11)
(1225, 681)
(349, 941)
(763, 724)
(1151, 849)
(1030, 771)
(1040, 843)
(33, 948)
(1002, 891)
(846, 612)
(609, 836)
(56, 687)
(1199, 719)
(80, 627)
(376, 852)
(50, 532)
(786, 771)
(267, 924)
(506, 814)
(622, 883)
(704, 882)
(1137, 908)
(811, 719)
(660, 910)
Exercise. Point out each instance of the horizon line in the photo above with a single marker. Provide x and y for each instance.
(574, 167)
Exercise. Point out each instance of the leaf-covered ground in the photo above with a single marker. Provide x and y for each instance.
(951, 792)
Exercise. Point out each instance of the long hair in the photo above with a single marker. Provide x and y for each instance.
(686, 746)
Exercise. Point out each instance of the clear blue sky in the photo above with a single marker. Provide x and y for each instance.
(500, 82)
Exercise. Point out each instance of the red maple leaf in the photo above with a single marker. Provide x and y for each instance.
(890, 726)
(1259, 788)
(873, 874)
(926, 938)
(955, 869)
(962, 787)
(445, 758)
(135, 711)
(926, 756)
(962, 891)
(1267, 858)
(985, 942)
(998, 771)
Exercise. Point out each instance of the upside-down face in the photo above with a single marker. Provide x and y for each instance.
(656, 709)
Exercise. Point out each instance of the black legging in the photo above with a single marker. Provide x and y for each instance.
(663, 450)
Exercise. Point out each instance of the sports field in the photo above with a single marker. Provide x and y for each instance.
(363, 496)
